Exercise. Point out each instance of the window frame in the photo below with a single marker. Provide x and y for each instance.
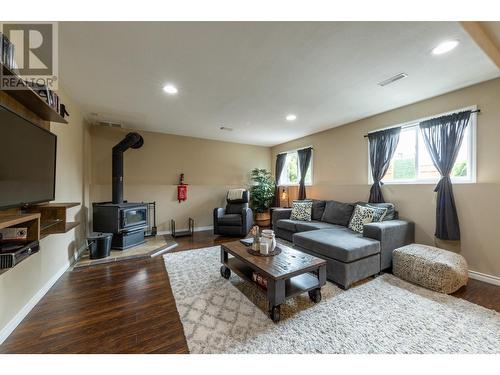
(311, 167)
(472, 151)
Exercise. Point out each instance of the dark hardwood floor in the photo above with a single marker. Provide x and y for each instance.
(480, 293)
(128, 307)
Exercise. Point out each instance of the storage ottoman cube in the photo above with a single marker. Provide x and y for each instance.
(430, 267)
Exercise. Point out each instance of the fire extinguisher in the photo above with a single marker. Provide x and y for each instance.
(182, 189)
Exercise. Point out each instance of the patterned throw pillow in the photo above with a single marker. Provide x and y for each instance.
(360, 217)
(301, 210)
(378, 214)
(391, 210)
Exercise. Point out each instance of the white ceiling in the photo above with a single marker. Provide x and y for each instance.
(250, 75)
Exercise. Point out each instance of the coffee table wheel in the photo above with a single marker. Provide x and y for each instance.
(225, 272)
(315, 295)
(275, 313)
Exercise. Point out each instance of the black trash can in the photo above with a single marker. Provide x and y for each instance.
(99, 244)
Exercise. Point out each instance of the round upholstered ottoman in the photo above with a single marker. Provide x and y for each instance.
(430, 267)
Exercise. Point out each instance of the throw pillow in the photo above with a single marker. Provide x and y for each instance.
(317, 209)
(337, 213)
(391, 210)
(301, 210)
(360, 217)
(379, 213)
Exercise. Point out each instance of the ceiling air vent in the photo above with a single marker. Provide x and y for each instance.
(225, 128)
(393, 79)
(109, 124)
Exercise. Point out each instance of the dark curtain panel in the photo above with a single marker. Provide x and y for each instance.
(280, 163)
(382, 147)
(443, 137)
(304, 161)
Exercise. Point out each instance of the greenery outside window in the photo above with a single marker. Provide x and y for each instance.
(412, 162)
(291, 174)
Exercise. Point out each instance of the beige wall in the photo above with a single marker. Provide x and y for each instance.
(341, 170)
(151, 173)
(20, 284)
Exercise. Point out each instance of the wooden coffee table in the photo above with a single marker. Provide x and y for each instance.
(288, 274)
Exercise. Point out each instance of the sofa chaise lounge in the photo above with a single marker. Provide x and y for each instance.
(350, 256)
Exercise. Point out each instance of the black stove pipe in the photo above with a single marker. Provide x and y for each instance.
(131, 140)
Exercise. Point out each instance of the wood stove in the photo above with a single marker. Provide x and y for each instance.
(127, 221)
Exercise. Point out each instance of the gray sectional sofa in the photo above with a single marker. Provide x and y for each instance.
(350, 256)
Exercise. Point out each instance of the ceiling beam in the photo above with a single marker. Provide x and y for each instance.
(483, 40)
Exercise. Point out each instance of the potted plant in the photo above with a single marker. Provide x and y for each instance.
(261, 195)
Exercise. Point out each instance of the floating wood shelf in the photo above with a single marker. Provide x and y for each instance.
(53, 218)
(58, 205)
(49, 223)
(30, 99)
(66, 228)
(30, 221)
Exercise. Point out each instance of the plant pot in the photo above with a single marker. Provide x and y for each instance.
(263, 219)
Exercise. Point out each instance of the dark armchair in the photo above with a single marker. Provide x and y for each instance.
(236, 219)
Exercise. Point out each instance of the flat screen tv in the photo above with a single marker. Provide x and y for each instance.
(27, 162)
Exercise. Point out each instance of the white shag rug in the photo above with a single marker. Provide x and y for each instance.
(384, 315)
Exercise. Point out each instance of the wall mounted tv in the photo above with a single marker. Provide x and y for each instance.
(27, 161)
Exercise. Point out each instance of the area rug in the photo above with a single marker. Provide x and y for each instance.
(384, 315)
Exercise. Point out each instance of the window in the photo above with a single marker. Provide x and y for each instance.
(412, 162)
(291, 173)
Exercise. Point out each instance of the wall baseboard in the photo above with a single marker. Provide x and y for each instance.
(196, 229)
(484, 277)
(79, 252)
(18, 318)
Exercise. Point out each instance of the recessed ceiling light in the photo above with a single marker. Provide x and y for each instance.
(170, 89)
(291, 118)
(445, 47)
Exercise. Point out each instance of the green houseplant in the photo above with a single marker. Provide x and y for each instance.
(261, 195)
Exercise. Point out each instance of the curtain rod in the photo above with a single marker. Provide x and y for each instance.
(402, 127)
(294, 150)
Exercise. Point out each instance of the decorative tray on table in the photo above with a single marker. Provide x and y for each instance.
(276, 251)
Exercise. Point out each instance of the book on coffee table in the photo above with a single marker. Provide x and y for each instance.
(247, 241)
